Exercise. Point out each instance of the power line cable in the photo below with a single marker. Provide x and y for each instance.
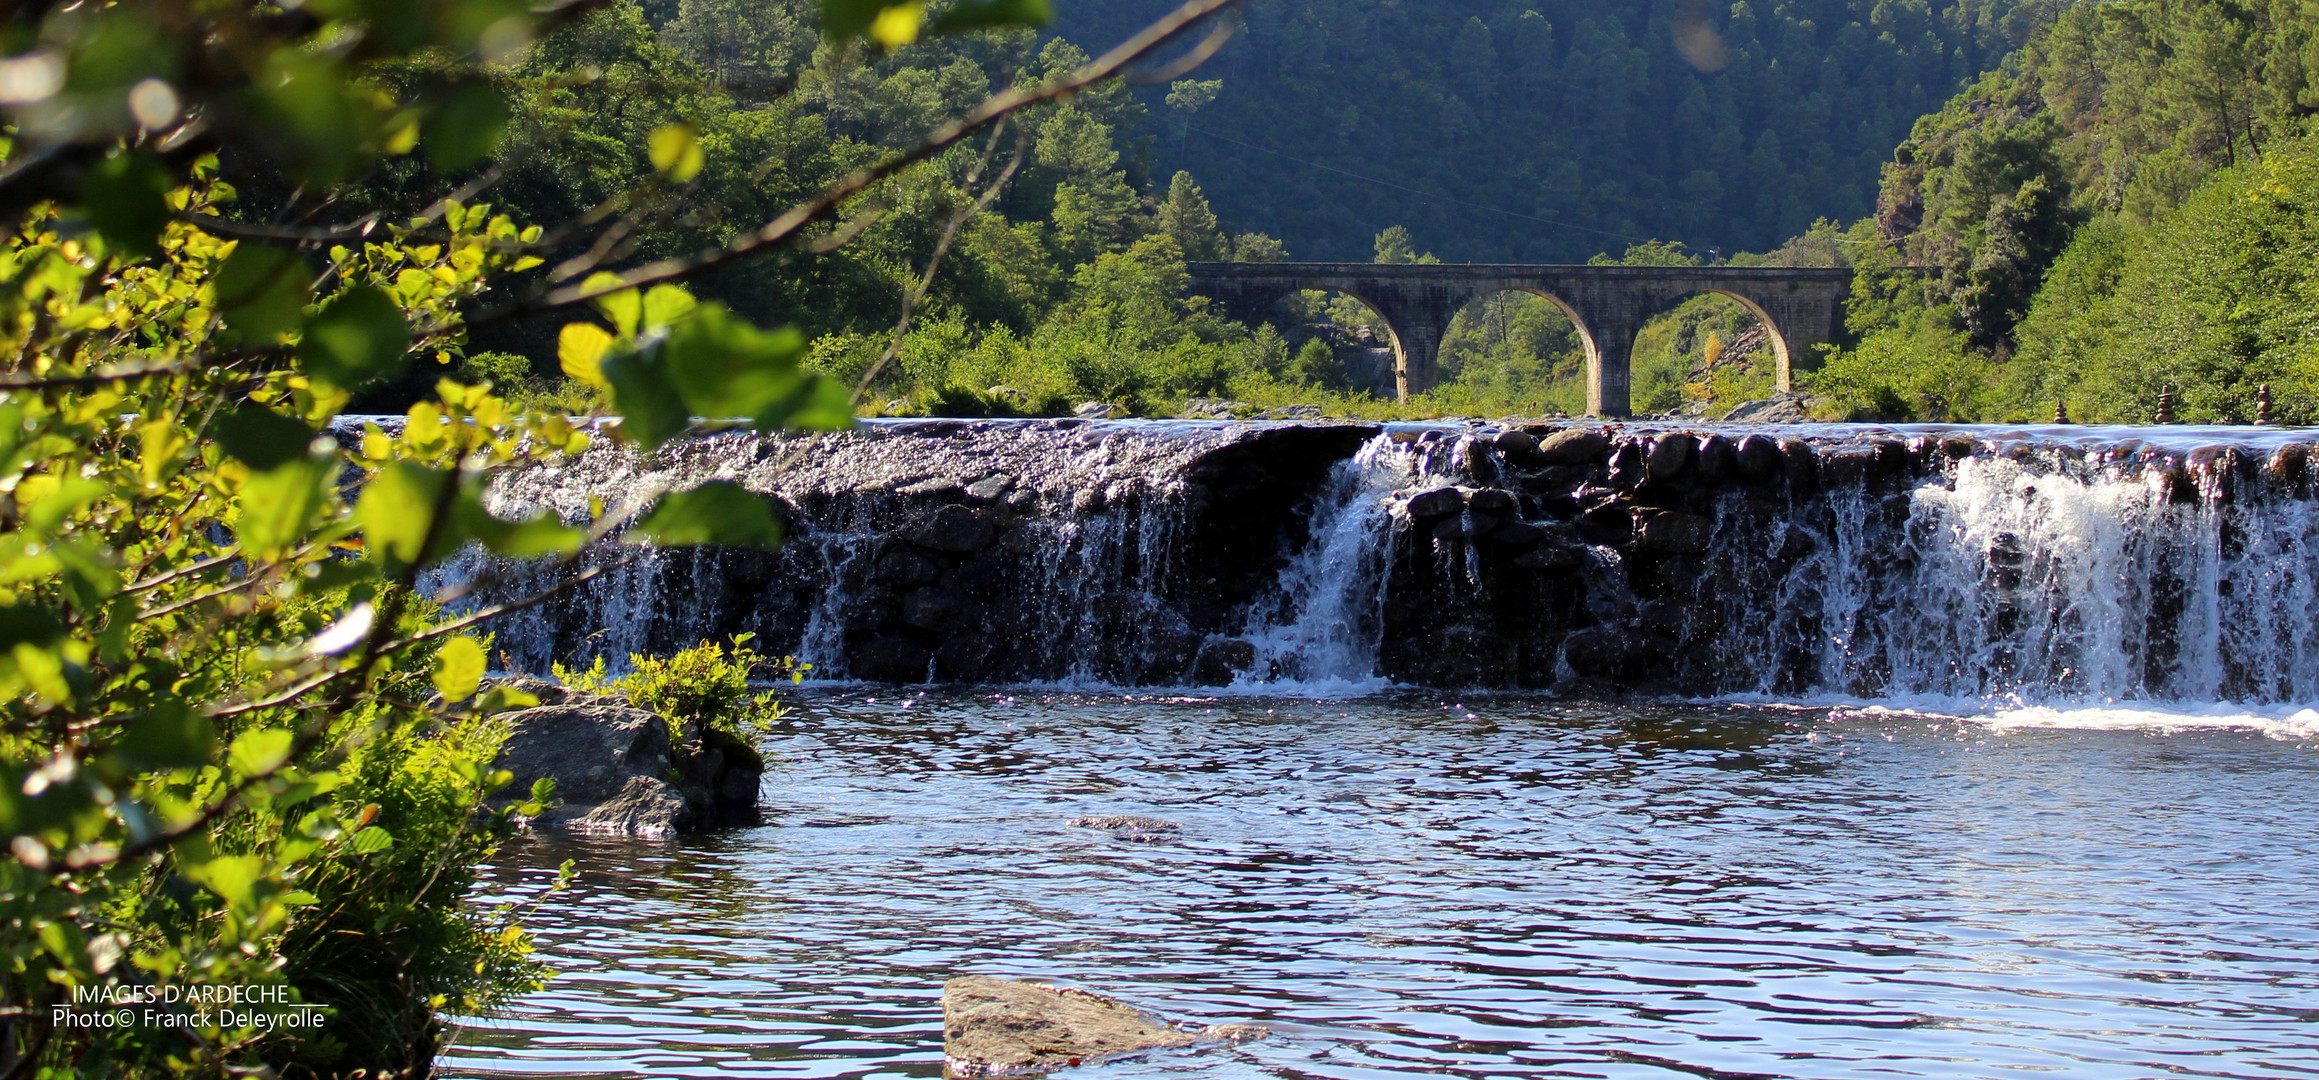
(1427, 195)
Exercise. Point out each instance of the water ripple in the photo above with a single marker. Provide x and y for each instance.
(1489, 888)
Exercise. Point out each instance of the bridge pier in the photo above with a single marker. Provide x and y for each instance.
(1418, 314)
(1610, 351)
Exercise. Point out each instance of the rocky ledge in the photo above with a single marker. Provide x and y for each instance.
(618, 773)
(1006, 1027)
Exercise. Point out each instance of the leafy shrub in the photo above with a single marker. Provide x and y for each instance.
(708, 683)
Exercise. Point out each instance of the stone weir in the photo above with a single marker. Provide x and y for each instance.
(1034, 551)
(1889, 562)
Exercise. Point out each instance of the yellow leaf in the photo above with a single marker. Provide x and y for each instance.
(580, 348)
(676, 151)
(898, 25)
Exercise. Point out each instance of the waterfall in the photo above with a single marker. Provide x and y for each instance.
(1957, 566)
(2089, 587)
(1319, 629)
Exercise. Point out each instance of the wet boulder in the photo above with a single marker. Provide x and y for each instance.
(1605, 652)
(1519, 534)
(990, 488)
(616, 772)
(1552, 557)
(903, 567)
(1496, 501)
(1799, 463)
(956, 529)
(1715, 460)
(1673, 532)
(1669, 455)
(1222, 661)
(1576, 446)
(1519, 448)
(1627, 465)
(1757, 458)
(890, 659)
(1432, 504)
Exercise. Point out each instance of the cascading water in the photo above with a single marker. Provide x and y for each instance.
(1963, 565)
(1320, 630)
(2043, 583)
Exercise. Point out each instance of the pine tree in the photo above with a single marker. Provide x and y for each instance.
(1186, 216)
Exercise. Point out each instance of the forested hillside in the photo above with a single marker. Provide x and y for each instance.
(2053, 205)
(2131, 205)
(1549, 130)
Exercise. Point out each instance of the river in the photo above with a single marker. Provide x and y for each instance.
(1478, 886)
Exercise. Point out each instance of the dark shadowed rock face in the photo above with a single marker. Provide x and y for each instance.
(957, 551)
(1585, 558)
(1006, 1027)
(616, 773)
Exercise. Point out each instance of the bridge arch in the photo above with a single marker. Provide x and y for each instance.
(1609, 305)
(1783, 354)
(1590, 348)
(1395, 378)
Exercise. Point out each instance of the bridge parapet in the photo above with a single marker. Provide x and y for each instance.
(1607, 304)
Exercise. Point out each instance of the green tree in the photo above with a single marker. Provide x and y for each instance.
(1186, 218)
(239, 744)
(1394, 245)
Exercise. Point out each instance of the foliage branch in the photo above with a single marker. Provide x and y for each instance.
(239, 743)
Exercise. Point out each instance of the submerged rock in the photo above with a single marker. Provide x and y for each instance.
(1127, 826)
(1007, 1027)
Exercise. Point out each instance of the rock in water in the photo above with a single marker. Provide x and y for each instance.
(1007, 1027)
(1126, 826)
(617, 774)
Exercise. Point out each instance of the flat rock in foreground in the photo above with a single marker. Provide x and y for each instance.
(1007, 1027)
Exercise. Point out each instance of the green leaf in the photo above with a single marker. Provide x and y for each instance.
(128, 199)
(725, 367)
(651, 411)
(621, 308)
(465, 127)
(171, 735)
(980, 14)
(232, 877)
(459, 668)
(357, 338)
(530, 538)
(259, 751)
(676, 151)
(371, 841)
(717, 512)
(826, 405)
(665, 305)
(274, 509)
(262, 438)
(261, 292)
(395, 508)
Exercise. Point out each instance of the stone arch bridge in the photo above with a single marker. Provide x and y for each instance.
(1607, 304)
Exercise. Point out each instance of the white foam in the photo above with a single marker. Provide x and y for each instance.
(2279, 723)
(2292, 722)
